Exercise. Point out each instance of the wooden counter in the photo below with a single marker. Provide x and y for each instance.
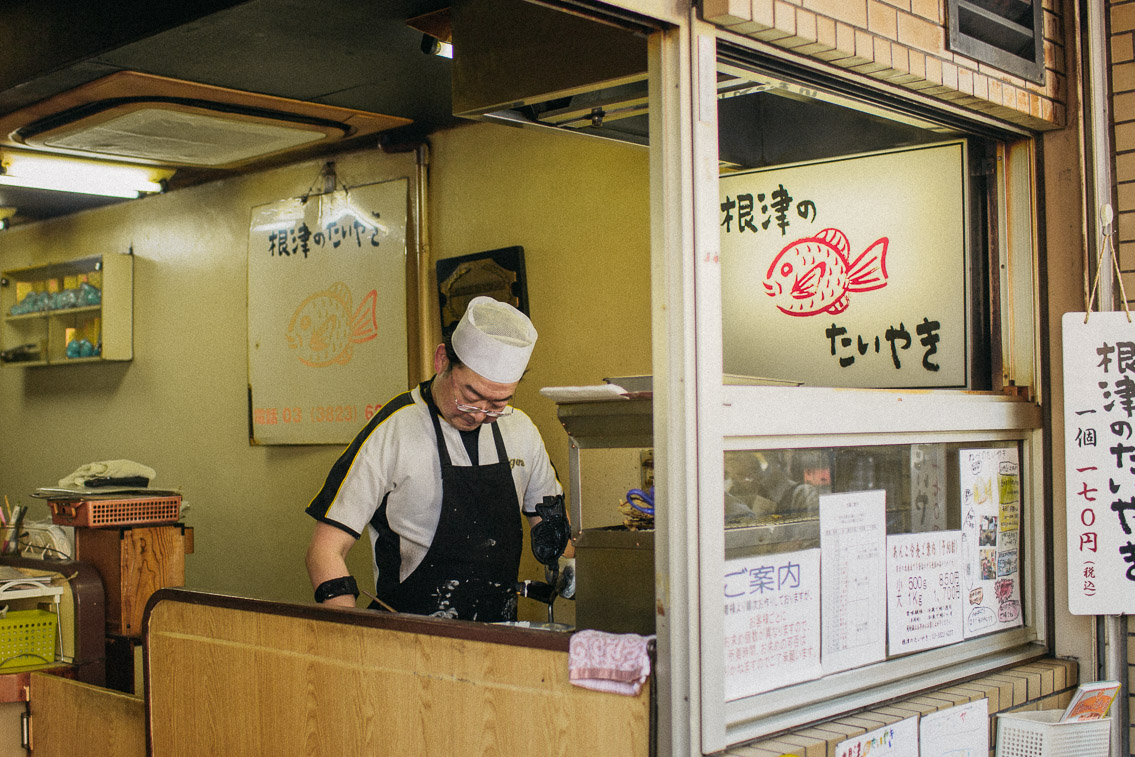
(225, 675)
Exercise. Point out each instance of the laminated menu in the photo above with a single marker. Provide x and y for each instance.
(1091, 701)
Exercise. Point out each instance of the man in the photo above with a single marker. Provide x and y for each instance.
(439, 479)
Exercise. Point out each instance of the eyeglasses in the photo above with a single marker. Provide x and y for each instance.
(488, 413)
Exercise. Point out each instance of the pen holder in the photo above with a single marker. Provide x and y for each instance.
(9, 543)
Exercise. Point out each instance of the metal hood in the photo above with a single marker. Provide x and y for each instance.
(524, 64)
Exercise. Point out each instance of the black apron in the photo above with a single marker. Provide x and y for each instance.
(470, 569)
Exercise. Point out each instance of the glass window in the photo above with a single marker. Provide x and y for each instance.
(881, 514)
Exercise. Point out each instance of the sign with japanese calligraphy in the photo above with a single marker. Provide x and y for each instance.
(772, 621)
(924, 594)
(896, 740)
(848, 272)
(928, 487)
(327, 337)
(853, 586)
(1099, 459)
(961, 731)
(990, 482)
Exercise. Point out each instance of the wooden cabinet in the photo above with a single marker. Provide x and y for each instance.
(134, 562)
(66, 312)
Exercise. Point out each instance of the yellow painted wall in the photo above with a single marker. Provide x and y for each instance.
(579, 207)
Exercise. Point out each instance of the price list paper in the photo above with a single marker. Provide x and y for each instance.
(853, 585)
(772, 621)
(990, 481)
(924, 600)
(1099, 458)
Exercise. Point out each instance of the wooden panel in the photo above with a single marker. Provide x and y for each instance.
(134, 562)
(221, 680)
(70, 718)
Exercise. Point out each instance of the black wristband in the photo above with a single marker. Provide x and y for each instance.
(336, 587)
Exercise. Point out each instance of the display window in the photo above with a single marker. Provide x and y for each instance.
(874, 444)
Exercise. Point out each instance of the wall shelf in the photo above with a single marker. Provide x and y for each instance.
(108, 326)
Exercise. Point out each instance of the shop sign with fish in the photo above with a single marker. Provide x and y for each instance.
(327, 326)
(849, 271)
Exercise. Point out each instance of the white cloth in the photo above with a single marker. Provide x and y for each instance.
(618, 663)
(394, 458)
(494, 340)
(108, 469)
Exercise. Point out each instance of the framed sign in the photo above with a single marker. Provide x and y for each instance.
(497, 273)
(848, 272)
(327, 341)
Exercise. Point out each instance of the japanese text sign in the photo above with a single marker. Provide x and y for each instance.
(327, 337)
(772, 621)
(847, 272)
(853, 539)
(924, 595)
(1099, 459)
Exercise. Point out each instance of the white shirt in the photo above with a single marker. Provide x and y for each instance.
(395, 457)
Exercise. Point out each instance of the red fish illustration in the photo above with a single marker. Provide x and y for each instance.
(814, 274)
(324, 327)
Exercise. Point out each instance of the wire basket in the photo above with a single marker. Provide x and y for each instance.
(27, 637)
(123, 511)
(1038, 734)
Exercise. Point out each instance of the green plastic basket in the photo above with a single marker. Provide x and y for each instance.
(27, 637)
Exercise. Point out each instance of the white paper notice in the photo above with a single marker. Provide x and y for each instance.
(853, 585)
(772, 622)
(991, 522)
(896, 740)
(924, 600)
(961, 731)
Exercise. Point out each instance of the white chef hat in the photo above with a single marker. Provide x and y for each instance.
(494, 340)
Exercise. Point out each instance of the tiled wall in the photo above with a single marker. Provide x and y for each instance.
(904, 42)
(1042, 685)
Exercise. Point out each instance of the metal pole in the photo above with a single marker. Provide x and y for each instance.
(1096, 109)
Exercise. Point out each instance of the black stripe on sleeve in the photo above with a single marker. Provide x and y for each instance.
(326, 496)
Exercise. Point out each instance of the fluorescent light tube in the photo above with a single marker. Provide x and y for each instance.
(77, 187)
(61, 174)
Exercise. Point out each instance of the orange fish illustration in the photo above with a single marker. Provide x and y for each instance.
(324, 328)
(814, 274)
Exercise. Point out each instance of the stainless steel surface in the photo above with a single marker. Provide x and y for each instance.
(602, 425)
(776, 535)
(611, 424)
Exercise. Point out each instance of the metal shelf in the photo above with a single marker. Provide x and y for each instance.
(609, 424)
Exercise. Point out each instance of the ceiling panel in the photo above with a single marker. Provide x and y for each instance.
(348, 53)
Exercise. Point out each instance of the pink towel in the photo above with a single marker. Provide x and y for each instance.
(618, 663)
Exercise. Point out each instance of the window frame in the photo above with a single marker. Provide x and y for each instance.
(748, 417)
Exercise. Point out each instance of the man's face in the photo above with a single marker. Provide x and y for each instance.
(462, 388)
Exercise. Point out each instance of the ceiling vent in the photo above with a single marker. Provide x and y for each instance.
(154, 120)
(1005, 34)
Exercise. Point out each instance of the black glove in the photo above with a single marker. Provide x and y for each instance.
(550, 536)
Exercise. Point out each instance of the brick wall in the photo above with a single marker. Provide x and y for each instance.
(1046, 684)
(1121, 16)
(904, 42)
